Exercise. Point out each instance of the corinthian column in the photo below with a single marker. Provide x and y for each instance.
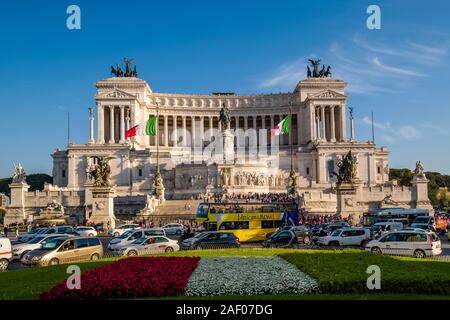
(175, 131)
(184, 131)
(91, 125)
(101, 125)
(333, 124)
(122, 124)
(322, 115)
(166, 131)
(111, 124)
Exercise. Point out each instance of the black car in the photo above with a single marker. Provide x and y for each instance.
(211, 240)
(281, 239)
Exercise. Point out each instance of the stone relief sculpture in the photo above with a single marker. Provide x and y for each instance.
(419, 171)
(101, 174)
(19, 175)
(389, 201)
(242, 178)
(55, 206)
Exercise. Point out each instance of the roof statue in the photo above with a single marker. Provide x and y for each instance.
(325, 72)
(118, 72)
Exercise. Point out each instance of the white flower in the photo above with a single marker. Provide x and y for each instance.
(248, 276)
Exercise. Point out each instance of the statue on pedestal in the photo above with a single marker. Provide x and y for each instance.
(348, 170)
(224, 116)
(19, 175)
(419, 171)
(101, 173)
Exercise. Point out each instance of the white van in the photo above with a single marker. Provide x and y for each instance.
(412, 242)
(5, 253)
(346, 237)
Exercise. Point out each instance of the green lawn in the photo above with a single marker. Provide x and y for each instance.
(341, 274)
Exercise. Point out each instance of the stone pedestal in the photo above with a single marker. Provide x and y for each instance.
(228, 146)
(16, 210)
(103, 206)
(347, 204)
(420, 193)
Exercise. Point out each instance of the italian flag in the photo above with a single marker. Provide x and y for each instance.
(281, 128)
(146, 128)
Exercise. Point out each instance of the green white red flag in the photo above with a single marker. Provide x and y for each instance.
(281, 128)
(146, 128)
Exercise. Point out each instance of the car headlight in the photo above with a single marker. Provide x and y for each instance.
(16, 250)
(36, 258)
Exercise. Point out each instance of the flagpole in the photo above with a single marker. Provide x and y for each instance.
(292, 177)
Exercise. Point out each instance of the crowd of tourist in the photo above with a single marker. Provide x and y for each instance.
(248, 197)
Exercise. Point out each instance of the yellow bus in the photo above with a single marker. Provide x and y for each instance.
(250, 221)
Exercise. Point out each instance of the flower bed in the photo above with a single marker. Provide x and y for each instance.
(248, 276)
(131, 278)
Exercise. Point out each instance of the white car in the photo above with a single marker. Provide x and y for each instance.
(122, 229)
(21, 249)
(147, 245)
(409, 242)
(346, 237)
(86, 231)
(174, 228)
(385, 227)
(5, 253)
(125, 239)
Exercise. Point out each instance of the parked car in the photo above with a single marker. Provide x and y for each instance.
(211, 240)
(152, 244)
(346, 237)
(86, 231)
(174, 228)
(21, 249)
(5, 253)
(329, 229)
(124, 239)
(384, 227)
(315, 230)
(302, 233)
(281, 239)
(423, 226)
(31, 234)
(60, 230)
(122, 229)
(62, 250)
(409, 242)
(424, 219)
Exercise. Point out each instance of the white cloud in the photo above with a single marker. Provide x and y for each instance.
(395, 134)
(376, 61)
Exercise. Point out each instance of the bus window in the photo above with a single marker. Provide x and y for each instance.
(234, 225)
(268, 224)
(202, 211)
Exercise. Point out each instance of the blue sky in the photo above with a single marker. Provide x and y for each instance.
(400, 72)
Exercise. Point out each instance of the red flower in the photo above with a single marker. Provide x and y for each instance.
(130, 278)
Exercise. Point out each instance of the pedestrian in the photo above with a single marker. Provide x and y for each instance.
(5, 230)
(17, 231)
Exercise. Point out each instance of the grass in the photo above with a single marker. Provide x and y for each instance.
(341, 274)
(345, 272)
